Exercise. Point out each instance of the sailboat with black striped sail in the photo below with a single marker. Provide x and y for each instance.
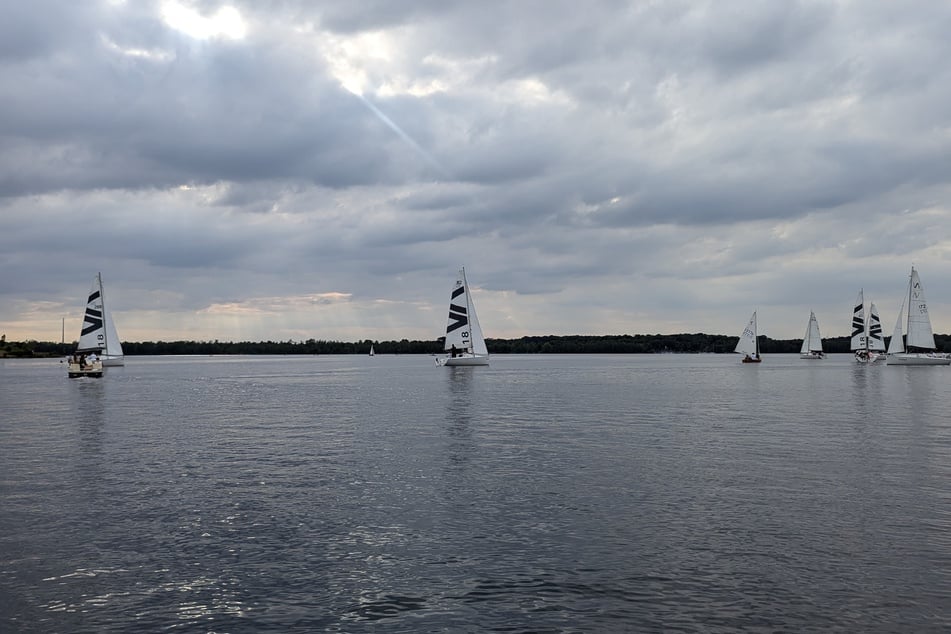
(99, 343)
(868, 341)
(919, 347)
(464, 341)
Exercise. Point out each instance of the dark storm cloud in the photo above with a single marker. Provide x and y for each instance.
(187, 112)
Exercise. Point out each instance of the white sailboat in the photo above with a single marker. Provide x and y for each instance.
(748, 345)
(868, 342)
(371, 350)
(812, 341)
(99, 343)
(464, 340)
(919, 347)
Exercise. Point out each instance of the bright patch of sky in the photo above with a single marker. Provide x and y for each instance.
(224, 22)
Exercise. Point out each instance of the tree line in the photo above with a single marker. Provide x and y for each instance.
(546, 344)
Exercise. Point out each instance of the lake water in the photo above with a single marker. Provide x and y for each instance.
(674, 493)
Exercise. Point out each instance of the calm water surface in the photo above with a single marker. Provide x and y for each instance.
(675, 493)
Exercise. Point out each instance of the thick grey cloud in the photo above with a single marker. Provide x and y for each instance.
(605, 167)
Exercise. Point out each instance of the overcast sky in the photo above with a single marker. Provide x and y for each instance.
(292, 169)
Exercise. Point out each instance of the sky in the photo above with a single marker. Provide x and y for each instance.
(291, 170)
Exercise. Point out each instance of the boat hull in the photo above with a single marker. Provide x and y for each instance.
(752, 360)
(92, 370)
(872, 357)
(113, 362)
(906, 358)
(463, 360)
(812, 355)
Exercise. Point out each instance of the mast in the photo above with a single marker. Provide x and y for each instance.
(756, 334)
(868, 348)
(465, 286)
(911, 279)
(102, 299)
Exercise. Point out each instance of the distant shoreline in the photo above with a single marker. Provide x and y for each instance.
(545, 344)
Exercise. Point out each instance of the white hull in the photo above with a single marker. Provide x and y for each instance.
(113, 361)
(76, 371)
(463, 359)
(812, 355)
(911, 358)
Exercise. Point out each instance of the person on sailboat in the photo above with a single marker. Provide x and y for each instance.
(454, 352)
(92, 358)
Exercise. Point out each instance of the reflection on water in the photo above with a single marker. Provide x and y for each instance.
(89, 407)
(459, 406)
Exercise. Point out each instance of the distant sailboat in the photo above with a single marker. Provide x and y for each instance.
(464, 340)
(868, 342)
(748, 345)
(812, 341)
(371, 350)
(919, 348)
(99, 343)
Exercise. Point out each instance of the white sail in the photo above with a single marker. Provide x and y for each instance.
(747, 343)
(896, 345)
(811, 341)
(93, 333)
(805, 338)
(919, 348)
(99, 330)
(876, 339)
(858, 323)
(919, 323)
(459, 327)
(463, 332)
(478, 341)
(113, 344)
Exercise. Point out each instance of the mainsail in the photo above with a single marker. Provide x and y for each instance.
(463, 331)
(93, 334)
(919, 323)
(876, 340)
(858, 323)
(812, 341)
(747, 343)
(99, 330)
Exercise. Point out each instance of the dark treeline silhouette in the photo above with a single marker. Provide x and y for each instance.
(547, 344)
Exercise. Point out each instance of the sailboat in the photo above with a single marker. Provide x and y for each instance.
(371, 350)
(812, 341)
(919, 347)
(464, 340)
(868, 342)
(748, 345)
(99, 343)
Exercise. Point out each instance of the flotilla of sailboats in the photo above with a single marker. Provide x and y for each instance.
(917, 347)
(99, 344)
